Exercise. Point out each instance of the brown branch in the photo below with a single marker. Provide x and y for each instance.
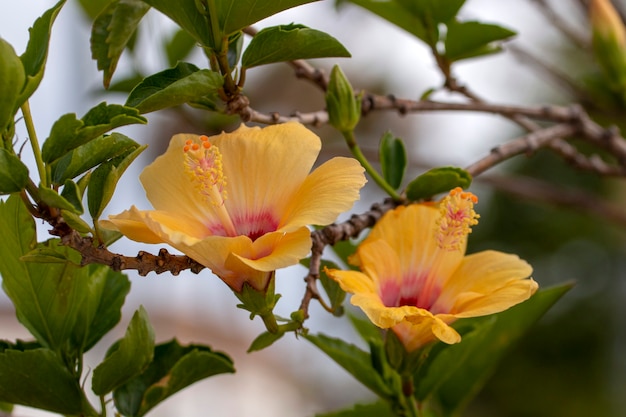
(578, 39)
(525, 144)
(316, 119)
(144, 262)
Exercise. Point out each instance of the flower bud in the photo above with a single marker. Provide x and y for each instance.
(344, 109)
(609, 41)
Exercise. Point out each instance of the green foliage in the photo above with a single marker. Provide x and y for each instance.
(104, 179)
(264, 340)
(455, 374)
(12, 78)
(173, 368)
(178, 47)
(93, 153)
(47, 297)
(366, 329)
(38, 378)
(36, 53)
(437, 180)
(472, 39)
(377, 409)
(288, 43)
(184, 83)
(54, 199)
(393, 159)
(13, 173)
(420, 18)
(102, 306)
(112, 30)
(68, 132)
(354, 360)
(234, 15)
(128, 357)
(188, 17)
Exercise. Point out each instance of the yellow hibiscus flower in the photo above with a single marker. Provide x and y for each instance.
(239, 203)
(416, 279)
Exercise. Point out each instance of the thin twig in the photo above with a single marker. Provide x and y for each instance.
(577, 38)
(525, 144)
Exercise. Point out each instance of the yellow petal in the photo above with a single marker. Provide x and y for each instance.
(213, 251)
(352, 281)
(381, 263)
(416, 245)
(169, 187)
(485, 283)
(153, 226)
(418, 333)
(327, 192)
(265, 167)
(277, 250)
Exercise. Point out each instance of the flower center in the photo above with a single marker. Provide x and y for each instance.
(456, 220)
(203, 164)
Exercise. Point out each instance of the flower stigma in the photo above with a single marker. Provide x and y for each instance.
(203, 165)
(457, 216)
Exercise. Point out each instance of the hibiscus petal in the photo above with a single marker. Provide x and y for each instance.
(379, 261)
(327, 192)
(485, 283)
(416, 245)
(153, 226)
(264, 167)
(277, 250)
(131, 223)
(169, 187)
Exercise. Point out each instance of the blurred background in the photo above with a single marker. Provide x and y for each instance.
(571, 364)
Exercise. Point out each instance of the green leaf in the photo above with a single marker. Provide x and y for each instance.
(471, 39)
(68, 133)
(418, 17)
(93, 7)
(182, 84)
(36, 53)
(54, 199)
(456, 374)
(354, 360)
(104, 180)
(46, 296)
(437, 180)
(366, 329)
(187, 16)
(12, 78)
(72, 193)
(112, 30)
(13, 173)
(173, 368)
(75, 222)
(38, 378)
(93, 153)
(235, 15)
(393, 159)
(102, 306)
(128, 357)
(264, 340)
(377, 409)
(179, 47)
(288, 43)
